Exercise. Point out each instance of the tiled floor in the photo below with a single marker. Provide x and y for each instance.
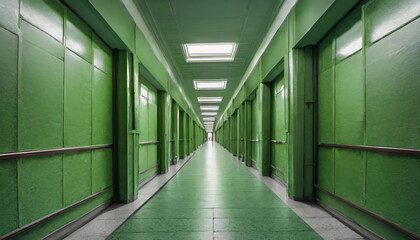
(108, 221)
(215, 197)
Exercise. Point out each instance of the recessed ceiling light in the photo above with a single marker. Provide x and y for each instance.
(209, 99)
(209, 113)
(210, 52)
(218, 84)
(209, 118)
(208, 123)
(209, 108)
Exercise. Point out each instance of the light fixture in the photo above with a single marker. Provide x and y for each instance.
(210, 52)
(209, 113)
(209, 99)
(208, 118)
(210, 84)
(209, 108)
(208, 123)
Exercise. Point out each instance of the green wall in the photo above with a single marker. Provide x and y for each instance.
(58, 76)
(367, 76)
(279, 149)
(148, 132)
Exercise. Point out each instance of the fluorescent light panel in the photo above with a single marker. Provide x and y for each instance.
(209, 99)
(209, 118)
(209, 108)
(208, 123)
(210, 84)
(210, 52)
(209, 113)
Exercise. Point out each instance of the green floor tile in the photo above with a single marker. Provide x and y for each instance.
(306, 235)
(254, 213)
(166, 225)
(260, 225)
(174, 213)
(164, 236)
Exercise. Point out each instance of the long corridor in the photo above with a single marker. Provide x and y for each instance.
(214, 196)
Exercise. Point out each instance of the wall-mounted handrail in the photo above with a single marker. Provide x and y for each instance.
(52, 215)
(148, 142)
(278, 169)
(40, 152)
(276, 141)
(396, 226)
(410, 151)
(147, 169)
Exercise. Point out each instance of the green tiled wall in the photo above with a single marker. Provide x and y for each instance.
(58, 79)
(368, 95)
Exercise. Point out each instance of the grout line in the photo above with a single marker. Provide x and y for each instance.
(213, 223)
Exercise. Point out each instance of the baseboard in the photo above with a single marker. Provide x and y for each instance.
(279, 180)
(363, 231)
(146, 180)
(303, 199)
(77, 223)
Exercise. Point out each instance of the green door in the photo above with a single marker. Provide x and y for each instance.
(148, 144)
(279, 148)
(254, 132)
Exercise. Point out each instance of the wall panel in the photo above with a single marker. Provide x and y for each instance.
(368, 95)
(77, 101)
(40, 181)
(40, 99)
(56, 98)
(8, 194)
(9, 98)
(77, 181)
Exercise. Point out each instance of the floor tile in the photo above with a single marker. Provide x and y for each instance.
(306, 235)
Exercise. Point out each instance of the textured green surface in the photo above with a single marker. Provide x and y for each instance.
(77, 101)
(43, 229)
(102, 55)
(77, 181)
(349, 100)
(116, 16)
(52, 92)
(101, 169)
(8, 192)
(214, 194)
(46, 15)
(40, 99)
(102, 112)
(368, 95)
(38, 178)
(254, 132)
(279, 155)
(9, 16)
(393, 103)
(9, 98)
(78, 36)
(384, 17)
(42, 40)
(148, 122)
